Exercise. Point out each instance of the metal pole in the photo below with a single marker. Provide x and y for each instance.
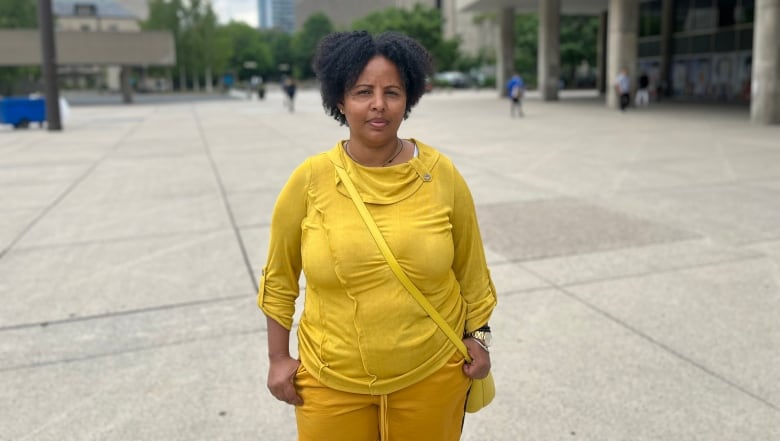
(49, 51)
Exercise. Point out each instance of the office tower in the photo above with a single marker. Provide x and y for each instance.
(278, 14)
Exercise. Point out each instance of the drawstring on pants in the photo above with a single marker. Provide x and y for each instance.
(383, 435)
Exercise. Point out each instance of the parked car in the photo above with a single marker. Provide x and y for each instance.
(455, 79)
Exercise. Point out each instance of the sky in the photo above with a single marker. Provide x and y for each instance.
(238, 10)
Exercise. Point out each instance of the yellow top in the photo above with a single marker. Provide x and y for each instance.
(361, 331)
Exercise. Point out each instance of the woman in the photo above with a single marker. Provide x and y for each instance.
(373, 365)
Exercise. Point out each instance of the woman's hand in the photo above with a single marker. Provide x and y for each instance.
(281, 374)
(480, 360)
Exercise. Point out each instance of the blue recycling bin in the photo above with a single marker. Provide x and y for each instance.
(21, 111)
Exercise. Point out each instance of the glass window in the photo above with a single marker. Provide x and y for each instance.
(649, 49)
(85, 10)
(682, 45)
(691, 15)
(746, 11)
(725, 41)
(746, 39)
(650, 18)
(727, 10)
(703, 12)
(681, 9)
(701, 44)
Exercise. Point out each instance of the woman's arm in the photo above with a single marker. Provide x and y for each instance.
(282, 367)
(279, 285)
(469, 263)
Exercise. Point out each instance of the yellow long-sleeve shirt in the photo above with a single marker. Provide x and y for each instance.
(361, 331)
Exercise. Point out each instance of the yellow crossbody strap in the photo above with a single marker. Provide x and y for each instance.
(396, 267)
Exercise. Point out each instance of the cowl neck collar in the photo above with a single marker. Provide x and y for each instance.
(386, 185)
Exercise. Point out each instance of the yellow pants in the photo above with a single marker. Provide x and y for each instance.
(430, 410)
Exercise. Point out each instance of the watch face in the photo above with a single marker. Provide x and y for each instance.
(484, 336)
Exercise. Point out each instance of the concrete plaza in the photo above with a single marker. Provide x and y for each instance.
(637, 257)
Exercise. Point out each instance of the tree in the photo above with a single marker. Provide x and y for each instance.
(527, 47)
(198, 21)
(422, 23)
(250, 55)
(200, 50)
(578, 44)
(167, 15)
(16, 14)
(281, 49)
(304, 43)
(214, 59)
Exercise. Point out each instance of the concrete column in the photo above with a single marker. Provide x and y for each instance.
(667, 36)
(549, 57)
(622, 45)
(449, 12)
(601, 55)
(765, 85)
(505, 58)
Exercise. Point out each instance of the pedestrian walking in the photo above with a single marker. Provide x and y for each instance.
(642, 98)
(289, 90)
(623, 89)
(356, 220)
(515, 89)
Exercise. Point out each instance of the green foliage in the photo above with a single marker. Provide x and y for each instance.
(527, 46)
(18, 14)
(281, 49)
(10, 78)
(202, 43)
(422, 23)
(194, 27)
(577, 44)
(164, 15)
(250, 54)
(304, 43)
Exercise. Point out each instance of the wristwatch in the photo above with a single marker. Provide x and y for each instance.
(482, 336)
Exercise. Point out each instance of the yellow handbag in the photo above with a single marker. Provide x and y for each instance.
(482, 391)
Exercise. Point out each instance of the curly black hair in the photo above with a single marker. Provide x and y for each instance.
(342, 56)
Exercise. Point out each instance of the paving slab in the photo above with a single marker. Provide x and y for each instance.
(565, 371)
(636, 261)
(637, 258)
(51, 283)
(721, 317)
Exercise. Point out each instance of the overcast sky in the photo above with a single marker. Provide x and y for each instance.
(238, 10)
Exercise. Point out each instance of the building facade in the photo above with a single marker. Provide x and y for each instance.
(727, 50)
(93, 16)
(139, 8)
(711, 48)
(276, 14)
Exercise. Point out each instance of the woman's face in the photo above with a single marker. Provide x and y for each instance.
(375, 105)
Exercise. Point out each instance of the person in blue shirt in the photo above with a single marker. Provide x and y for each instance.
(515, 88)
